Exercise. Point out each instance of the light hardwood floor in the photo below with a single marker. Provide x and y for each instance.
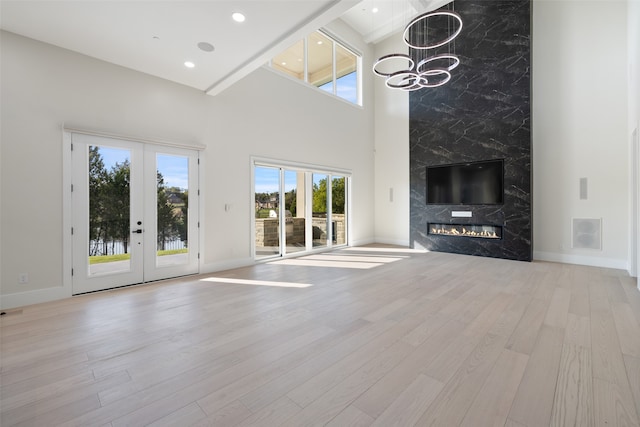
(376, 335)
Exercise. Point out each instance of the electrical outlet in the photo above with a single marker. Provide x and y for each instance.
(23, 278)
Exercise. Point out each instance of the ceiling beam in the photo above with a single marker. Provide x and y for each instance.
(324, 16)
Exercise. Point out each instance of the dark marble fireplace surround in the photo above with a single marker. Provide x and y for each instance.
(483, 113)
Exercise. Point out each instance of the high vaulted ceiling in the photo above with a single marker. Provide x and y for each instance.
(158, 36)
(377, 19)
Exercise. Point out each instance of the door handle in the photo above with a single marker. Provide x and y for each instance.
(138, 231)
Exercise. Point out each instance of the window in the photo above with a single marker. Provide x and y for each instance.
(324, 63)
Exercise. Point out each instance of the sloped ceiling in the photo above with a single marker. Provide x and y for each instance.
(157, 37)
(376, 20)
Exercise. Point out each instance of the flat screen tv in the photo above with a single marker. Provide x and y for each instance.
(475, 183)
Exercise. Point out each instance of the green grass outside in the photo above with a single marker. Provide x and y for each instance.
(263, 213)
(173, 252)
(108, 258)
(123, 257)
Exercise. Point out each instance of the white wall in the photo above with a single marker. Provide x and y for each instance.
(579, 118)
(265, 114)
(633, 50)
(391, 154)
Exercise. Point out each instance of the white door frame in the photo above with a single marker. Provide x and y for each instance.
(153, 270)
(634, 240)
(66, 290)
(83, 278)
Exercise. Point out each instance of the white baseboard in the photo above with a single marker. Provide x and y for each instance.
(397, 242)
(226, 265)
(21, 299)
(619, 264)
(363, 242)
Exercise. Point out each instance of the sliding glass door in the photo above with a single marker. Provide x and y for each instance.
(295, 211)
(320, 209)
(295, 236)
(339, 209)
(267, 207)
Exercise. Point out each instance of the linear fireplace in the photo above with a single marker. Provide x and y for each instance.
(478, 231)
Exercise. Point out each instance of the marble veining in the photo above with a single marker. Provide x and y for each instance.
(482, 113)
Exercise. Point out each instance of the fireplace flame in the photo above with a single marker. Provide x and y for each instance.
(453, 231)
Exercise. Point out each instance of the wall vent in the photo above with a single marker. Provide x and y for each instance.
(586, 233)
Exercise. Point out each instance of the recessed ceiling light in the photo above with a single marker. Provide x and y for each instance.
(319, 41)
(189, 64)
(238, 17)
(374, 10)
(283, 63)
(207, 47)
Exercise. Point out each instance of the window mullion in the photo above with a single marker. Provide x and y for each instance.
(306, 59)
(335, 67)
(330, 229)
(308, 184)
(281, 215)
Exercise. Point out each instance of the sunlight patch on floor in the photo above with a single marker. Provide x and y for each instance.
(228, 280)
(355, 258)
(392, 250)
(306, 262)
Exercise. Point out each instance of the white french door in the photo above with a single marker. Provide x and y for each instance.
(134, 212)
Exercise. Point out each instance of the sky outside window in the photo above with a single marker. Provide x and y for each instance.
(267, 180)
(174, 169)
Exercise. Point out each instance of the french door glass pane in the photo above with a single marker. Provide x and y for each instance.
(172, 204)
(338, 210)
(319, 219)
(267, 224)
(294, 195)
(109, 209)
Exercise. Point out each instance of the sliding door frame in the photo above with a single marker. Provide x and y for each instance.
(309, 170)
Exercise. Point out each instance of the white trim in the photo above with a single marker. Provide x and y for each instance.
(201, 212)
(187, 145)
(327, 208)
(37, 296)
(396, 242)
(335, 42)
(297, 166)
(633, 206)
(67, 214)
(281, 213)
(226, 265)
(329, 12)
(362, 242)
(349, 208)
(339, 40)
(594, 261)
(334, 72)
(305, 73)
(252, 209)
(324, 92)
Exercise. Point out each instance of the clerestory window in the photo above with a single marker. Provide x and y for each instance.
(323, 62)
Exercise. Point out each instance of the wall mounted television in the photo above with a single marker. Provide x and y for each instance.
(474, 183)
